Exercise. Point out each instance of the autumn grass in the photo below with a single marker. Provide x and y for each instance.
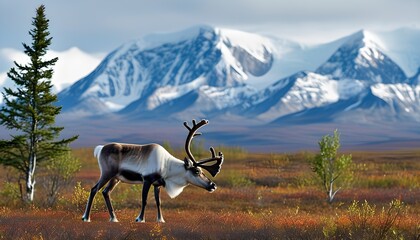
(260, 196)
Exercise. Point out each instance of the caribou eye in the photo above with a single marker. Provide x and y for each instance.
(196, 172)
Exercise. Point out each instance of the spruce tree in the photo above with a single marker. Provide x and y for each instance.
(29, 110)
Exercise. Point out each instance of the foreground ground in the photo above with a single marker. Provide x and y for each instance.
(260, 196)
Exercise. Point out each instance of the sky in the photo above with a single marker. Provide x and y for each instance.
(100, 26)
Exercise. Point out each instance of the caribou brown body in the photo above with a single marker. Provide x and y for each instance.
(151, 164)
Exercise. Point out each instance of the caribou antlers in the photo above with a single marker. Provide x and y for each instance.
(213, 169)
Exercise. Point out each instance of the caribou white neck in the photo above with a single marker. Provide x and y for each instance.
(175, 182)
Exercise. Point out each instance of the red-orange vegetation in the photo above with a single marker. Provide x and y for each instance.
(260, 196)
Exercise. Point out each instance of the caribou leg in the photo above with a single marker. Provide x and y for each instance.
(106, 192)
(145, 191)
(102, 181)
(157, 198)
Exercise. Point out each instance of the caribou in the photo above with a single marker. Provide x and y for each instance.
(151, 164)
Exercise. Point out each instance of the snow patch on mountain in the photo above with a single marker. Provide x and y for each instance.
(224, 98)
(348, 88)
(302, 91)
(402, 92)
(254, 44)
(169, 93)
(312, 90)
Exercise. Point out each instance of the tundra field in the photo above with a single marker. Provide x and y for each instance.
(259, 196)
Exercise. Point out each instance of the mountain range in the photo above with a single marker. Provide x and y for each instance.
(208, 72)
(254, 85)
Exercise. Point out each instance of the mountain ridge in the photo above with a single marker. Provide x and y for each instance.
(204, 70)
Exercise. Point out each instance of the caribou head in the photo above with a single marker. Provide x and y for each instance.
(212, 164)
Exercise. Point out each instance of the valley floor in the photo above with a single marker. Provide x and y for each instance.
(260, 196)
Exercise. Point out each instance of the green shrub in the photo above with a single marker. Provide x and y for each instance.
(80, 197)
(234, 179)
(10, 194)
(368, 223)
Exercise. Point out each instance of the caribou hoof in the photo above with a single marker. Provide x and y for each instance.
(114, 220)
(84, 219)
(140, 220)
(161, 220)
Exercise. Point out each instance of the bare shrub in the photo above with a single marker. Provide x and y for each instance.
(58, 174)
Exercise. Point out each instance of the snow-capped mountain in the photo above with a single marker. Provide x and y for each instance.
(376, 103)
(361, 57)
(300, 91)
(206, 71)
(358, 78)
(146, 74)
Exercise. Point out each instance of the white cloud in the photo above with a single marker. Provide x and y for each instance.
(97, 25)
(72, 65)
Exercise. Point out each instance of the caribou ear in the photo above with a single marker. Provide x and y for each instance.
(188, 163)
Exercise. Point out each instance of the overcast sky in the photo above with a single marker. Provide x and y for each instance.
(103, 25)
